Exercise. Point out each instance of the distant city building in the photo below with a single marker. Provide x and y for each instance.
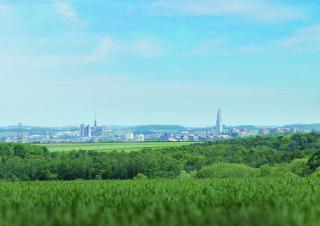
(236, 132)
(94, 133)
(294, 130)
(245, 132)
(165, 137)
(140, 137)
(129, 136)
(290, 130)
(19, 133)
(185, 138)
(48, 139)
(97, 131)
(276, 130)
(82, 131)
(85, 131)
(95, 122)
(264, 132)
(173, 139)
(219, 126)
(193, 138)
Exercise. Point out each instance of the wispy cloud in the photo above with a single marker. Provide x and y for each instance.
(99, 50)
(68, 13)
(3, 7)
(220, 47)
(109, 47)
(259, 10)
(304, 40)
(207, 48)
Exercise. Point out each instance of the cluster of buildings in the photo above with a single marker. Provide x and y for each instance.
(129, 136)
(268, 131)
(240, 132)
(88, 133)
(96, 133)
(234, 132)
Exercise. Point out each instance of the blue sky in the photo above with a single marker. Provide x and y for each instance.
(159, 62)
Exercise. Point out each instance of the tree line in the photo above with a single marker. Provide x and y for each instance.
(30, 162)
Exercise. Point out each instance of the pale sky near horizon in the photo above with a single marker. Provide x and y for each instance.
(159, 62)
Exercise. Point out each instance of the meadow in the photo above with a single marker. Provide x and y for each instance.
(118, 146)
(221, 202)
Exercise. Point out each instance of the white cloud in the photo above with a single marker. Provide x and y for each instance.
(103, 50)
(304, 40)
(68, 13)
(259, 10)
(109, 47)
(219, 47)
(3, 8)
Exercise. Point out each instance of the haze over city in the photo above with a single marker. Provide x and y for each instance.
(159, 62)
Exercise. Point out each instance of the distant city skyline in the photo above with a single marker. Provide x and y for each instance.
(159, 62)
(167, 133)
(213, 125)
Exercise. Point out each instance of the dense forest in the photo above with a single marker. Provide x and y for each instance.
(294, 155)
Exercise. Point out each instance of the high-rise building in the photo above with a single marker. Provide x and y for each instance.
(87, 131)
(95, 121)
(219, 126)
(95, 130)
(129, 136)
(82, 131)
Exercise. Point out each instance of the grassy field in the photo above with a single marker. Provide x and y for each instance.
(221, 202)
(126, 146)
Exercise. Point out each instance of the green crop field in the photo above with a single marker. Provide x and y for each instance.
(221, 202)
(126, 146)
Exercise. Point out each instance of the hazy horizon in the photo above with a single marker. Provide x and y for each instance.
(137, 125)
(159, 62)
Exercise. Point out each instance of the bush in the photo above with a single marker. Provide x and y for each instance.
(184, 175)
(140, 176)
(227, 170)
(314, 162)
(299, 167)
(276, 171)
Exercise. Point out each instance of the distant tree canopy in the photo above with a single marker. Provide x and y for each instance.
(29, 162)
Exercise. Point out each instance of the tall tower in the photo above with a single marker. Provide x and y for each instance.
(95, 121)
(19, 133)
(219, 126)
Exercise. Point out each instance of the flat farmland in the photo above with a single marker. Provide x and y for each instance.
(116, 146)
